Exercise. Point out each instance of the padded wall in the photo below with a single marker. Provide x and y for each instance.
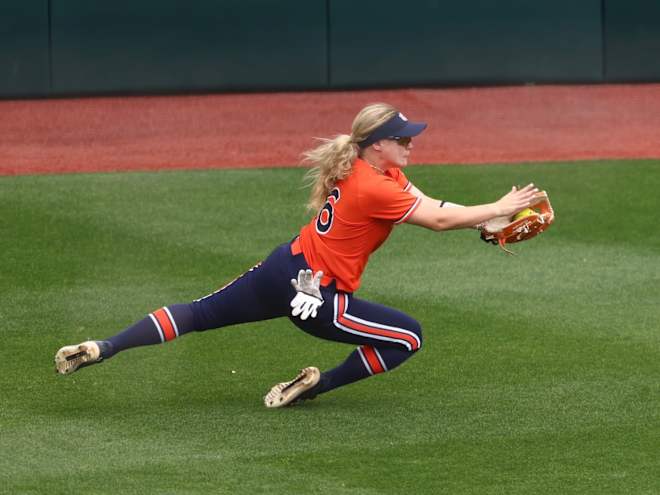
(74, 47)
(24, 69)
(472, 41)
(632, 40)
(178, 45)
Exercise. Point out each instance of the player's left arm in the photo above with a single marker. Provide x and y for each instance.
(441, 203)
(431, 215)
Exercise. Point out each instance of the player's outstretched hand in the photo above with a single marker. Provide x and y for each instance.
(515, 200)
(308, 294)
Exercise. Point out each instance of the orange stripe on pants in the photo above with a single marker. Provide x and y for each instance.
(414, 345)
(372, 359)
(165, 324)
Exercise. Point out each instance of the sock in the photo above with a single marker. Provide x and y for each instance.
(162, 325)
(363, 362)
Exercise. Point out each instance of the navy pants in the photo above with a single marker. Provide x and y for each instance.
(386, 336)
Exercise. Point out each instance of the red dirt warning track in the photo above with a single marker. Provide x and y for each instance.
(481, 125)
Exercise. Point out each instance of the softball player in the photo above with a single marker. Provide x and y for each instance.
(359, 193)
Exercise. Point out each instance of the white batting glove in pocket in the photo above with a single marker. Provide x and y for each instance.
(308, 294)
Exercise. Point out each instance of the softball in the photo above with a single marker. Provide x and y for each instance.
(525, 213)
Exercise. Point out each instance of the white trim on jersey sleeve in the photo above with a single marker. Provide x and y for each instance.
(410, 211)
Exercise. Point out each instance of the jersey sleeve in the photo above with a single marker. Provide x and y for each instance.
(400, 178)
(386, 199)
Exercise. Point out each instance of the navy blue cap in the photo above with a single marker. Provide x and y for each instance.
(397, 126)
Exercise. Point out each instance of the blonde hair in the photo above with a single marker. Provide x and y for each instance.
(333, 159)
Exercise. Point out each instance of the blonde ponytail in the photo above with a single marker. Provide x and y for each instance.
(331, 162)
(333, 159)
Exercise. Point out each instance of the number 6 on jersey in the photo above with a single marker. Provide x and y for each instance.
(325, 216)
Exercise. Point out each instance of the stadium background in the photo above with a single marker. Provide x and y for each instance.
(539, 373)
(69, 47)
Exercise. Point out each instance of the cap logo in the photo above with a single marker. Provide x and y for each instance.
(403, 117)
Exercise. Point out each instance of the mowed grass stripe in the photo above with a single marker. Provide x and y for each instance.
(538, 374)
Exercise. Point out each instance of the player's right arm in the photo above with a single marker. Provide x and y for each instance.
(431, 215)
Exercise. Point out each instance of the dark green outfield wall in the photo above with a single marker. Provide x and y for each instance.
(24, 58)
(471, 41)
(632, 33)
(162, 45)
(70, 47)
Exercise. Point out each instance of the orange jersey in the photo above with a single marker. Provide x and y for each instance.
(357, 217)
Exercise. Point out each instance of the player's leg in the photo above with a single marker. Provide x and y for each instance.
(385, 337)
(162, 325)
(260, 293)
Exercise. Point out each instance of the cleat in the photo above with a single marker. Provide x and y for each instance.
(287, 393)
(71, 357)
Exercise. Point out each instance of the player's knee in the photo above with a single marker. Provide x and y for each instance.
(416, 329)
(421, 340)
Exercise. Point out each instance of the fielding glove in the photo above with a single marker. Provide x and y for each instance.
(308, 294)
(528, 224)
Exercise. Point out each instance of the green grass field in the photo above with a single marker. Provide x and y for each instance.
(540, 372)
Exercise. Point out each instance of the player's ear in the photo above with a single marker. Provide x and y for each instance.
(378, 146)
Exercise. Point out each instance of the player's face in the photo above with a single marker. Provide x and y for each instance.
(396, 151)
